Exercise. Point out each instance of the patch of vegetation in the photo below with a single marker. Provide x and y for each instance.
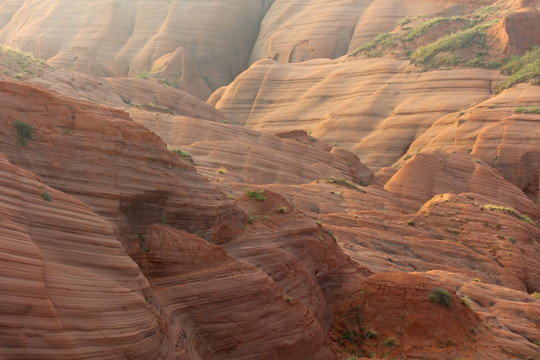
(450, 43)
(185, 155)
(46, 196)
(522, 69)
(19, 64)
(479, 61)
(423, 27)
(256, 194)
(407, 157)
(440, 296)
(222, 171)
(411, 223)
(343, 182)
(536, 295)
(331, 234)
(371, 334)
(390, 342)
(352, 336)
(536, 342)
(24, 132)
(142, 243)
(404, 21)
(153, 107)
(465, 301)
(163, 220)
(144, 75)
(490, 9)
(374, 47)
(510, 211)
(526, 110)
(447, 342)
(283, 209)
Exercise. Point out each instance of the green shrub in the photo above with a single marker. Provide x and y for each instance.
(144, 75)
(142, 243)
(370, 334)
(372, 48)
(186, 156)
(440, 296)
(256, 194)
(390, 342)
(421, 28)
(525, 110)
(525, 68)
(46, 196)
(404, 21)
(490, 9)
(343, 182)
(24, 132)
(512, 212)
(450, 43)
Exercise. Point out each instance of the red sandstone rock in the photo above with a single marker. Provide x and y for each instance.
(428, 174)
(69, 290)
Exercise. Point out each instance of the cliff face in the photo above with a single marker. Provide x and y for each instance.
(69, 290)
(362, 190)
(210, 41)
(218, 36)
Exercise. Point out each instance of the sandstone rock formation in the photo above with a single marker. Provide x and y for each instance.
(426, 175)
(100, 163)
(78, 59)
(259, 157)
(218, 37)
(69, 290)
(293, 31)
(138, 221)
(373, 107)
(495, 133)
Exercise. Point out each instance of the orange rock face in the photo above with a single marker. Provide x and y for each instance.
(517, 32)
(69, 290)
(137, 33)
(495, 133)
(139, 222)
(427, 175)
(373, 107)
(94, 162)
(100, 166)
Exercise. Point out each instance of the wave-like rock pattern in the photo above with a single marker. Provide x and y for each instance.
(430, 174)
(259, 157)
(120, 169)
(373, 107)
(133, 34)
(493, 132)
(69, 290)
(220, 307)
(299, 30)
